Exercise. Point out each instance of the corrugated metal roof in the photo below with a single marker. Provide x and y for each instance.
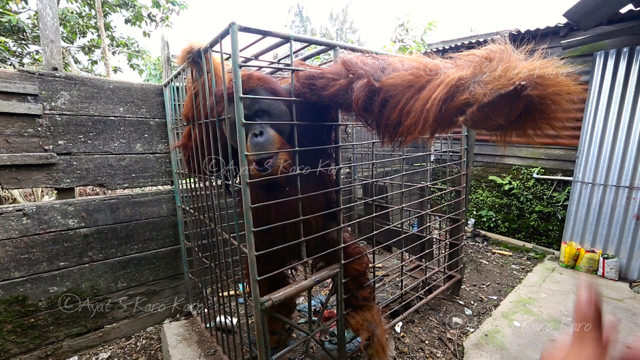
(475, 40)
(604, 208)
(589, 13)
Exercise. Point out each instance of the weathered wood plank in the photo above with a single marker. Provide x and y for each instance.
(20, 134)
(513, 160)
(70, 347)
(110, 171)
(536, 152)
(19, 76)
(70, 134)
(47, 217)
(10, 86)
(483, 148)
(65, 193)
(155, 303)
(86, 95)
(28, 159)
(97, 278)
(38, 254)
(15, 107)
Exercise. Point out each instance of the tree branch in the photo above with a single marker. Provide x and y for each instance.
(103, 37)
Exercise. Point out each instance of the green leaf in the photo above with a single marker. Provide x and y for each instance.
(79, 30)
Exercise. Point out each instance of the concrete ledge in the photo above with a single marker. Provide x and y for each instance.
(186, 340)
(541, 308)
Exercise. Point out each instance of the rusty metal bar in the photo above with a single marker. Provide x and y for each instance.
(246, 197)
(297, 288)
(424, 301)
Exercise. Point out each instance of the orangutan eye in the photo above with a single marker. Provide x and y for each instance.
(261, 113)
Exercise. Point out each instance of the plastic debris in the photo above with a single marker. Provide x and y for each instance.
(588, 260)
(224, 322)
(456, 321)
(506, 253)
(328, 315)
(398, 327)
(569, 252)
(468, 312)
(516, 323)
(316, 305)
(353, 342)
(609, 266)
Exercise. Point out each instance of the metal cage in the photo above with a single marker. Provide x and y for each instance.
(406, 206)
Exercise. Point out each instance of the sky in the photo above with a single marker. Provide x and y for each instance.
(375, 21)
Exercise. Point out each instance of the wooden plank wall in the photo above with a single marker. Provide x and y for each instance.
(70, 268)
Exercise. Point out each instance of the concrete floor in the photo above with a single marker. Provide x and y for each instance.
(541, 307)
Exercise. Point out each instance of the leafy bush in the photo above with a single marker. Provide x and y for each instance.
(521, 207)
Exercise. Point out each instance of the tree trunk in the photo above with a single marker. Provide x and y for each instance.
(67, 58)
(50, 35)
(103, 38)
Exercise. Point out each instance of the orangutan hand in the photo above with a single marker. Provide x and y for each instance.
(589, 337)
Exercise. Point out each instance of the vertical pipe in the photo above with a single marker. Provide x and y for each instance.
(202, 215)
(342, 345)
(168, 101)
(296, 149)
(233, 194)
(246, 195)
(402, 234)
(214, 281)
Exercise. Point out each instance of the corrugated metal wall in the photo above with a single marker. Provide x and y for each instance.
(604, 209)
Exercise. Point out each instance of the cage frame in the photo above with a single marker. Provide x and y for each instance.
(262, 302)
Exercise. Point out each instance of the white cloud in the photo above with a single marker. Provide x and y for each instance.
(376, 22)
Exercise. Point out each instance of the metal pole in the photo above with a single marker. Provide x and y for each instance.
(176, 193)
(246, 195)
(563, 178)
(168, 102)
(312, 40)
(342, 343)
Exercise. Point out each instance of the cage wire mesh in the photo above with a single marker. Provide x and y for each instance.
(406, 206)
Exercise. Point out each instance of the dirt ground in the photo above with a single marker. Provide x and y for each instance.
(438, 329)
(435, 331)
(144, 345)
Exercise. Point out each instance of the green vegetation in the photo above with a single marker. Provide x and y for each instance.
(340, 28)
(81, 43)
(521, 207)
(409, 38)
